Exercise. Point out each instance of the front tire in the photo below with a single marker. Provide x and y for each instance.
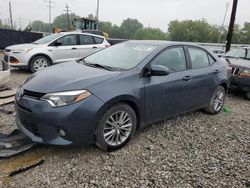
(116, 127)
(39, 63)
(217, 101)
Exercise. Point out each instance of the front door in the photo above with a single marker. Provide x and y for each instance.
(67, 49)
(168, 95)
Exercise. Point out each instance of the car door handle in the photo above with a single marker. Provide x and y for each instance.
(187, 78)
(94, 47)
(73, 48)
(216, 71)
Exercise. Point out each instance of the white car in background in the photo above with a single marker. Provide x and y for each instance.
(4, 73)
(53, 49)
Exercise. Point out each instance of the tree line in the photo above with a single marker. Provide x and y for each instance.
(187, 30)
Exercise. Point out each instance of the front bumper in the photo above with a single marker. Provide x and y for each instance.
(40, 122)
(240, 83)
(16, 59)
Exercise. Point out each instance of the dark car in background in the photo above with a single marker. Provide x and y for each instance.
(106, 97)
(239, 62)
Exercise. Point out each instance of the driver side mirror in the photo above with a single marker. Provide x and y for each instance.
(157, 70)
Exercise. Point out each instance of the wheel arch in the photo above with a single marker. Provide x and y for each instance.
(125, 99)
(40, 54)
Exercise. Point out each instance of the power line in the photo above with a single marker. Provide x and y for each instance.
(223, 23)
(11, 20)
(67, 12)
(97, 14)
(49, 5)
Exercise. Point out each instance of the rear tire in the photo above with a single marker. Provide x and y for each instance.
(39, 63)
(116, 127)
(248, 95)
(217, 101)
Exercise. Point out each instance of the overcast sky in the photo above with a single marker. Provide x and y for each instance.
(153, 13)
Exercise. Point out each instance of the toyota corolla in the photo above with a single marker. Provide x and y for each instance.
(106, 97)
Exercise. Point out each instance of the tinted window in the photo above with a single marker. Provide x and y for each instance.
(86, 39)
(98, 40)
(199, 58)
(173, 58)
(68, 40)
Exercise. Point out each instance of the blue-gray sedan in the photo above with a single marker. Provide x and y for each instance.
(106, 97)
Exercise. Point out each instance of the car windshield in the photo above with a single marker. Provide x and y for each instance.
(121, 56)
(48, 38)
(236, 53)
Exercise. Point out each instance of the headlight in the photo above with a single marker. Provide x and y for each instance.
(245, 73)
(22, 50)
(65, 98)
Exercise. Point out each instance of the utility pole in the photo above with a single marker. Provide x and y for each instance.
(11, 20)
(223, 23)
(67, 12)
(97, 15)
(231, 26)
(49, 6)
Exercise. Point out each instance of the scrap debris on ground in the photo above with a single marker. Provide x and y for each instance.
(192, 150)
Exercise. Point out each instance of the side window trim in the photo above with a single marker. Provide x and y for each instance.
(168, 48)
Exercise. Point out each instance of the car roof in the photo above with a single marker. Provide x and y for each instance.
(161, 43)
(78, 32)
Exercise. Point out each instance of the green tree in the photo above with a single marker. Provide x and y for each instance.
(129, 27)
(245, 33)
(150, 34)
(193, 31)
(61, 21)
(39, 25)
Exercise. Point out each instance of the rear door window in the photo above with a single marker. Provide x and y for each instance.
(199, 58)
(86, 40)
(98, 40)
(173, 58)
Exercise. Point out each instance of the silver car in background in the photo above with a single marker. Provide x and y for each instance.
(53, 49)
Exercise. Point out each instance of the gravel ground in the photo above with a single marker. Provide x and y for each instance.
(192, 150)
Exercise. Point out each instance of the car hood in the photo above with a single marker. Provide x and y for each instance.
(242, 63)
(23, 46)
(67, 77)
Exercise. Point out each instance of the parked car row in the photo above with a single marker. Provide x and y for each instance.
(105, 97)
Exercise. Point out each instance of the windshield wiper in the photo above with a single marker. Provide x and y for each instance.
(99, 66)
(34, 43)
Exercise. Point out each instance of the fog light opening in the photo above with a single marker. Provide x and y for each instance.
(62, 133)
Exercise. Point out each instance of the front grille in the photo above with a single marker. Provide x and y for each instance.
(32, 94)
(235, 71)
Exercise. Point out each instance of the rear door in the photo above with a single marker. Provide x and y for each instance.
(168, 95)
(88, 45)
(66, 51)
(204, 75)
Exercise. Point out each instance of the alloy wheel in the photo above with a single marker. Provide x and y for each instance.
(218, 100)
(117, 128)
(40, 64)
